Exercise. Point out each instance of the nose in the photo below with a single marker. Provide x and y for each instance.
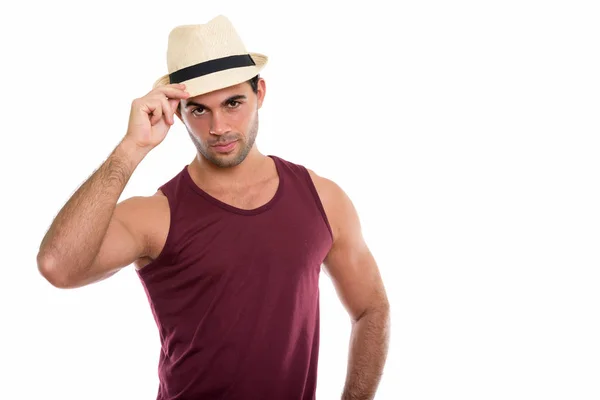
(218, 125)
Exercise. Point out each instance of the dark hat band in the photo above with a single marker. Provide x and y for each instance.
(211, 66)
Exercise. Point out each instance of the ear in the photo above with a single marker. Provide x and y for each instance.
(261, 91)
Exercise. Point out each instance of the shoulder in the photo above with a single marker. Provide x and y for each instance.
(138, 208)
(338, 207)
(322, 184)
(145, 217)
(328, 190)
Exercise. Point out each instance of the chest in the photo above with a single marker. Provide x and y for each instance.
(246, 197)
(281, 245)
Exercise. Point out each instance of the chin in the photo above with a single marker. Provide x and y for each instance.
(227, 160)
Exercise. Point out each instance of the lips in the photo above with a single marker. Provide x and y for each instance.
(224, 147)
(222, 144)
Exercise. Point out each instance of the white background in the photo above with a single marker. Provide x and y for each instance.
(465, 132)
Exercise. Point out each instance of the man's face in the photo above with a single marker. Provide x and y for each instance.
(223, 124)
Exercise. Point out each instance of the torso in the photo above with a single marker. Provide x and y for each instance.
(234, 261)
(244, 197)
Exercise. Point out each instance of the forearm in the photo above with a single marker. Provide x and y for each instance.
(75, 236)
(369, 344)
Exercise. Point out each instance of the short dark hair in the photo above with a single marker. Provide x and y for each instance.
(254, 83)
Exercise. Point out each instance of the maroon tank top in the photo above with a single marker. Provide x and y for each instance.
(235, 292)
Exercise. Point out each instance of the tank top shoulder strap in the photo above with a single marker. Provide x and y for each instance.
(292, 171)
(300, 180)
(173, 186)
(172, 190)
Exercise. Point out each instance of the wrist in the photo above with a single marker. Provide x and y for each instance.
(131, 152)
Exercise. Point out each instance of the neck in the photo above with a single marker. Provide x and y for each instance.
(247, 171)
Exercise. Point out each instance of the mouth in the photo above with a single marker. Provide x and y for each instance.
(224, 147)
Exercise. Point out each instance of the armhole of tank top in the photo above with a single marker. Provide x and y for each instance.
(317, 198)
(166, 250)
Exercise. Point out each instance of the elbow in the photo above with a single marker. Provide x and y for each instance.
(386, 306)
(49, 268)
(377, 310)
(384, 309)
(383, 305)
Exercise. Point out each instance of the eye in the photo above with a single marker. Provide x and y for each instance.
(233, 104)
(198, 111)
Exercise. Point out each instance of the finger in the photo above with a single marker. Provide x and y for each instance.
(167, 110)
(175, 85)
(156, 109)
(174, 103)
(178, 86)
(173, 92)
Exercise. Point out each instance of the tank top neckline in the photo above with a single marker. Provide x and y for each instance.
(228, 207)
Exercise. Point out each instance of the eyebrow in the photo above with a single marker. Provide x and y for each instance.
(225, 102)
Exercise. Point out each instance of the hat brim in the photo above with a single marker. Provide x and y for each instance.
(221, 79)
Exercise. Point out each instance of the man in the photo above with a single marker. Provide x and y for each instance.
(230, 249)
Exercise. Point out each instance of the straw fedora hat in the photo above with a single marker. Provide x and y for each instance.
(207, 57)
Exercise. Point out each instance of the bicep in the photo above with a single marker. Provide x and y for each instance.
(123, 243)
(356, 278)
(350, 263)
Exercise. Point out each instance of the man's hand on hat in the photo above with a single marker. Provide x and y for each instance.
(152, 115)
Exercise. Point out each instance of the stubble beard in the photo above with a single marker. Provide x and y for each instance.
(228, 160)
